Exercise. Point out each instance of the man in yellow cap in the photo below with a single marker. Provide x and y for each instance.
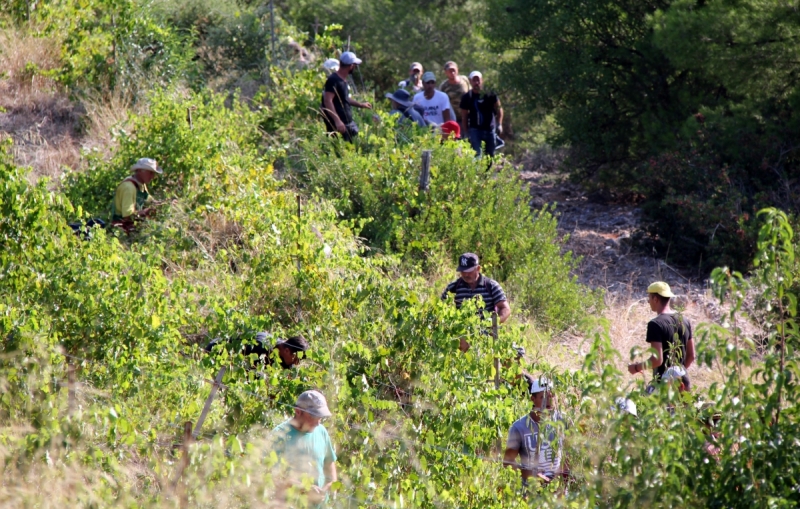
(131, 194)
(669, 334)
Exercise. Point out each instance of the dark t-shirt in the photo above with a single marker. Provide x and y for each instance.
(338, 86)
(673, 331)
(481, 109)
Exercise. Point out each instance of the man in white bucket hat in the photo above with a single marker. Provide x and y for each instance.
(305, 447)
(131, 194)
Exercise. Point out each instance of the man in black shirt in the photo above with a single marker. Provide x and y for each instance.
(478, 111)
(472, 283)
(289, 350)
(336, 99)
(669, 334)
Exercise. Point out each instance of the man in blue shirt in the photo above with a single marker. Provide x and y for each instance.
(305, 448)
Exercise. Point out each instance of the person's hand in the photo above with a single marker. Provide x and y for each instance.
(366, 105)
(543, 478)
(463, 345)
(341, 127)
(499, 128)
(634, 368)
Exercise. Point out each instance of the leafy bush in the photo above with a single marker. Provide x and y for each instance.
(466, 208)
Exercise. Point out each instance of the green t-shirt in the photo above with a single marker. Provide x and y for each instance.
(305, 453)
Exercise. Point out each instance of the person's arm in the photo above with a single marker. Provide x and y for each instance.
(654, 360)
(510, 459)
(331, 475)
(689, 353)
(464, 106)
(503, 311)
(498, 111)
(331, 111)
(357, 104)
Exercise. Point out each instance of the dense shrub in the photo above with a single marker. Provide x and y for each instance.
(466, 208)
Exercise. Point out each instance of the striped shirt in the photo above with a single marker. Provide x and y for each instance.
(541, 458)
(487, 288)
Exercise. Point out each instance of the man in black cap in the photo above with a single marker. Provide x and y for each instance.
(471, 283)
(289, 350)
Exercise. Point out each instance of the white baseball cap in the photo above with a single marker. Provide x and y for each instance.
(540, 385)
(314, 403)
(475, 73)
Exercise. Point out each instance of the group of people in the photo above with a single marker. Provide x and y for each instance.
(535, 442)
(536, 438)
(458, 106)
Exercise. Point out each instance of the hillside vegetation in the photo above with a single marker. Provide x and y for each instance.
(269, 225)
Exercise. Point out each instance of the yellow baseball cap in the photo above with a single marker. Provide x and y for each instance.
(661, 288)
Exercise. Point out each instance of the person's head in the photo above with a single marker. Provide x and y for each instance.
(429, 83)
(415, 71)
(451, 70)
(145, 170)
(541, 392)
(469, 267)
(331, 65)
(659, 295)
(348, 63)
(292, 350)
(476, 80)
(401, 99)
(310, 409)
(451, 130)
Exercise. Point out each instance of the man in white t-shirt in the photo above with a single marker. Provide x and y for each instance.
(435, 103)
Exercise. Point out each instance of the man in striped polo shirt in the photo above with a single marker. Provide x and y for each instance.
(472, 283)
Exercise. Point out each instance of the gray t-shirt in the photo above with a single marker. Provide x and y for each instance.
(524, 437)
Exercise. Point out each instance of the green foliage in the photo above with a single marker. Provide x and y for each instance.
(389, 35)
(112, 45)
(627, 85)
(466, 208)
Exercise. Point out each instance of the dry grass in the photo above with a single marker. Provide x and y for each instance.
(627, 315)
(49, 130)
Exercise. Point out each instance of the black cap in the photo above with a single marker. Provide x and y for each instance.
(296, 343)
(468, 262)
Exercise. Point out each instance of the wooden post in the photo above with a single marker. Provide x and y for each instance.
(183, 496)
(70, 387)
(496, 359)
(189, 117)
(425, 174)
(209, 399)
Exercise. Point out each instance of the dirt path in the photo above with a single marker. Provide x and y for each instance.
(600, 233)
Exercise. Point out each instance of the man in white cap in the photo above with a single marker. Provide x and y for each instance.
(536, 439)
(305, 447)
(669, 334)
(479, 111)
(336, 100)
(434, 103)
(131, 194)
(413, 84)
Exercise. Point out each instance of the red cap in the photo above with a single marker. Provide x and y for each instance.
(451, 127)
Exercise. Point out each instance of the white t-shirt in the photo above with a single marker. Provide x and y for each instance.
(434, 107)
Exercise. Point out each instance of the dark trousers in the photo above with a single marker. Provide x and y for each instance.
(476, 136)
